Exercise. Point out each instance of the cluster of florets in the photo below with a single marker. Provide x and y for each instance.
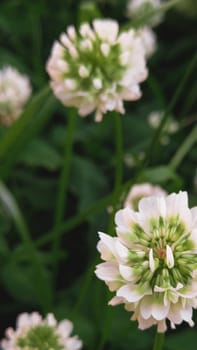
(15, 90)
(152, 263)
(35, 333)
(97, 68)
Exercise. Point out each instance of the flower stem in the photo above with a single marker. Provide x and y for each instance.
(118, 167)
(116, 194)
(159, 341)
(62, 189)
(184, 148)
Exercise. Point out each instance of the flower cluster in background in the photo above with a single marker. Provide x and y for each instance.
(140, 8)
(35, 333)
(15, 90)
(171, 127)
(152, 263)
(140, 191)
(97, 68)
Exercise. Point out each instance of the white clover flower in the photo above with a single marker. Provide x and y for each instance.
(149, 40)
(15, 90)
(97, 68)
(137, 8)
(35, 333)
(152, 263)
(140, 191)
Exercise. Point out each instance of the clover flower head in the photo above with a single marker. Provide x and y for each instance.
(151, 264)
(15, 90)
(97, 68)
(35, 333)
(140, 191)
(142, 8)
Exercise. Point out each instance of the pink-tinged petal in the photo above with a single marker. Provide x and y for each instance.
(160, 311)
(177, 204)
(65, 328)
(106, 246)
(146, 307)
(186, 313)
(50, 320)
(121, 251)
(107, 271)
(194, 217)
(125, 218)
(174, 314)
(116, 301)
(107, 32)
(152, 207)
(161, 326)
(127, 273)
(144, 324)
(131, 293)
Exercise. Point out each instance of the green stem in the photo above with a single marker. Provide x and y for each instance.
(62, 189)
(118, 168)
(184, 148)
(159, 341)
(116, 195)
(77, 219)
(170, 107)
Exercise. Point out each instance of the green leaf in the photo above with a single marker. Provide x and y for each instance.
(186, 339)
(160, 174)
(39, 153)
(26, 127)
(87, 181)
(19, 281)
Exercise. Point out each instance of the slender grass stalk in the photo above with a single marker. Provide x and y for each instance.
(184, 148)
(116, 193)
(43, 288)
(62, 189)
(77, 219)
(159, 341)
(118, 168)
(169, 108)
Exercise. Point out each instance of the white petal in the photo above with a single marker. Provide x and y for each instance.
(126, 272)
(160, 311)
(106, 246)
(146, 307)
(65, 328)
(107, 271)
(131, 293)
(106, 29)
(151, 260)
(169, 257)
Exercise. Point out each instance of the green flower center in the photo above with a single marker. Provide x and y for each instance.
(107, 68)
(167, 271)
(41, 337)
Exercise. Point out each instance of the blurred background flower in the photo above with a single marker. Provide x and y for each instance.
(15, 90)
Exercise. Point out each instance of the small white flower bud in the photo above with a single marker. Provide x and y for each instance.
(105, 49)
(83, 71)
(97, 83)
